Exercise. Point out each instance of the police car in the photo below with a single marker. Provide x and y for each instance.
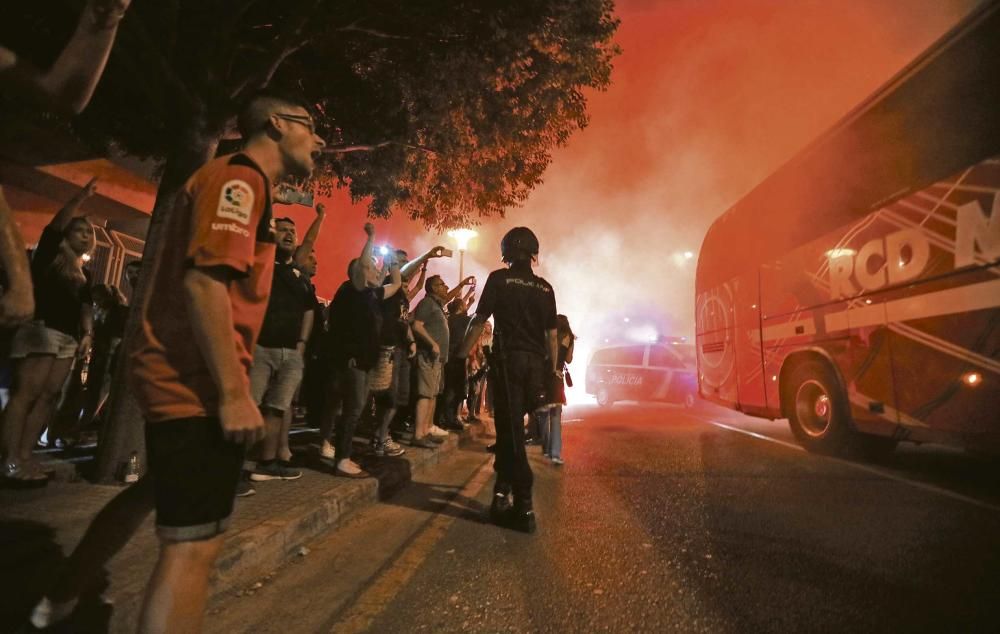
(643, 372)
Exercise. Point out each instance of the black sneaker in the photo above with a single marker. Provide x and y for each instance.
(424, 443)
(244, 489)
(523, 522)
(500, 508)
(274, 471)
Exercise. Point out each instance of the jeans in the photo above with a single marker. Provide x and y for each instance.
(519, 384)
(450, 401)
(550, 422)
(353, 384)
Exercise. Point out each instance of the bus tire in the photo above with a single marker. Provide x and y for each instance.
(817, 408)
(604, 397)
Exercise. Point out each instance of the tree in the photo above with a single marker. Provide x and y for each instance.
(446, 111)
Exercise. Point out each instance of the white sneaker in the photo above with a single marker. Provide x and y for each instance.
(437, 431)
(46, 613)
(327, 451)
(557, 461)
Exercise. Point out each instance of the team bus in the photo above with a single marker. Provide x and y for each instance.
(855, 291)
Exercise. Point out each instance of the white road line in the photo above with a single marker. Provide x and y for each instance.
(861, 467)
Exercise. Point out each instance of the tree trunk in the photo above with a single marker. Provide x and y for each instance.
(122, 431)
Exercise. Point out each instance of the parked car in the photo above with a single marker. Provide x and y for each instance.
(643, 372)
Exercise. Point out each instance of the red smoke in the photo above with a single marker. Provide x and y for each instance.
(708, 98)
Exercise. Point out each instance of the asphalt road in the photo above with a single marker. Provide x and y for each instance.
(662, 520)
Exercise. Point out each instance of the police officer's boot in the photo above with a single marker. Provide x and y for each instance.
(500, 508)
(522, 515)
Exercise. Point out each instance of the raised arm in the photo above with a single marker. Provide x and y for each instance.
(455, 292)
(395, 281)
(309, 241)
(359, 274)
(412, 291)
(64, 215)
(69, 84)
(207, 295)
(420, 263)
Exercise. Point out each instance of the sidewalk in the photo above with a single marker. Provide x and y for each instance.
(39, 527)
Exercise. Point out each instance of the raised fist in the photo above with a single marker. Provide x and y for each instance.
(370, 229)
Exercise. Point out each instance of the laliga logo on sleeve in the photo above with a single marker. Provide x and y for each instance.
(236, 201)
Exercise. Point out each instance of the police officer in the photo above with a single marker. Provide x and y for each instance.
(522, 368)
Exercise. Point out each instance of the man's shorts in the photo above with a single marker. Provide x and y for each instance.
(430, 376)
(34, 337)
(274, 376)
(195, 471)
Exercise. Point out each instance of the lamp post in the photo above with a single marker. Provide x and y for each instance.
(462, 237)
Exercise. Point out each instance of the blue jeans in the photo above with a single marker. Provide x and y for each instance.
(354, 394)
(550, 422)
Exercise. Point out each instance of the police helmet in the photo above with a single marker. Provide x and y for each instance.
(519, 243)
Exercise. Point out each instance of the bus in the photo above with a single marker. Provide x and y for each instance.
(856, 290)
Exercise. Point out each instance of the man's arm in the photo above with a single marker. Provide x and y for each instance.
(472, 335)
(395, 281)
(413, 265)
(18, 302)
(69, 84)
(87, 327)
(308, 317)
(420, 331)
(309, 241)
(359, 275)
(68, 211)
(211, 316)
(411, 342)
(453, 293)
(553, 341)
(415, 288)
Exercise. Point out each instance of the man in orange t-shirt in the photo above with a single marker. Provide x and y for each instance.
(209, 288)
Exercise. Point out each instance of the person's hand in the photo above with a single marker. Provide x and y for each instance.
(241, 420)
(320, 209)
(412, 350)
(437, 252)
(16, 306)
(300, 347)
(370, 229)
(435, 351)
(86, 343)
(90, 188)
(469, 280)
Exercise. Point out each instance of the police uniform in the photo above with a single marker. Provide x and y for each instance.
(523, 306)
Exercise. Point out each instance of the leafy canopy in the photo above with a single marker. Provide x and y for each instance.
(445, 110)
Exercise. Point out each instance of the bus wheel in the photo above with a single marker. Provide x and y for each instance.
(604, 397)
(817, 408)
(689, 400)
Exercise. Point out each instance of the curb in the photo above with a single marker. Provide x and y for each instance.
(255, 552)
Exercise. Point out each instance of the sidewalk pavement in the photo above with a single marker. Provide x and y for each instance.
(39, 527)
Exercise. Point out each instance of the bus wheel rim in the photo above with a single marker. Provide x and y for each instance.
(814, 408)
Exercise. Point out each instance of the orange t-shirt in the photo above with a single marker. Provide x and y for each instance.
(222, 217)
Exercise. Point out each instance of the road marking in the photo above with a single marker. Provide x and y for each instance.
(861, 467)
(401, 568)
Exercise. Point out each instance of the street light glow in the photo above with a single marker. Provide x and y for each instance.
(688, 255)
(462, 237)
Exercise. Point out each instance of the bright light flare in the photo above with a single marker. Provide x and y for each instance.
(833, 254)
(462, 237)
(972, 379)
(383, 250)
(85, 257)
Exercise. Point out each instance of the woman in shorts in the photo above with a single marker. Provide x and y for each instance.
(61, 331)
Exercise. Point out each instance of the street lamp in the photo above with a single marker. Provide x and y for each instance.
(462, 237)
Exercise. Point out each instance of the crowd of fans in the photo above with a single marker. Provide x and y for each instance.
(367, 354)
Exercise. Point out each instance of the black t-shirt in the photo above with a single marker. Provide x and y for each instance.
(355, 325)
(457, 325)
(58, 301)
(291, 297)
(395, 319)
(523, 306)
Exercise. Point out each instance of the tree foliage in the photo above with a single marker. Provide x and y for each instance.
(446, 110)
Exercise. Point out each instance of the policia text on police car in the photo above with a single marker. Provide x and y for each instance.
(523, 368)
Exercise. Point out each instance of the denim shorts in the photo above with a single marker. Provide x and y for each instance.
(275, 376)
(34, 337)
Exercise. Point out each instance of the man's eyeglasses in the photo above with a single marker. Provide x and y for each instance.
(302, 119)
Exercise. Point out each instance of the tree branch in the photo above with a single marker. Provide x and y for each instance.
(347, 149)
